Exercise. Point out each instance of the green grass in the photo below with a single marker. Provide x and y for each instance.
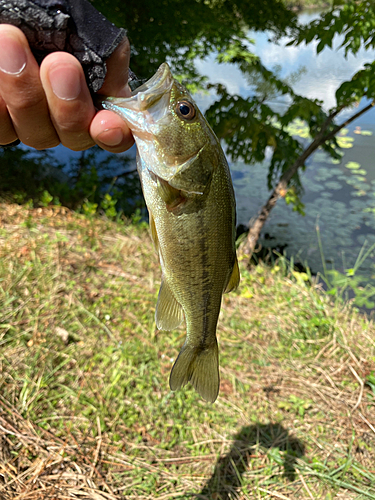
(85, 407)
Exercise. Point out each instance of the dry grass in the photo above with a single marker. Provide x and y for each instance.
(85, 408)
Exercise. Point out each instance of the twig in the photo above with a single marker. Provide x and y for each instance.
(94, 467)
(361, 389)
(349, 120)
(305, 484)
(97, 451)
(367, 422)
(274, 494)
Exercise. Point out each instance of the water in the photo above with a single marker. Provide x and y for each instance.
(338, 197)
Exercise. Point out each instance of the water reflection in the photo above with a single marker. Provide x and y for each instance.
(337, 198)
(324, 72)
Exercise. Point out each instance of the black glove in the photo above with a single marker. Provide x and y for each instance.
(73, 26)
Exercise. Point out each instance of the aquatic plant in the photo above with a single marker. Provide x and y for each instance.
(350, 284)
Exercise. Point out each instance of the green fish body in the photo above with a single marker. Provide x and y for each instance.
(190, 199)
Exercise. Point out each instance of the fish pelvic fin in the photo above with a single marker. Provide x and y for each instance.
(169, 313)
(200, 367)
(234, 280)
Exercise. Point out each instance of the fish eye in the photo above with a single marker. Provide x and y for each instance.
(185, 110)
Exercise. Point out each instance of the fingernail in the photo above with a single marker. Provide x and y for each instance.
(12, 55)
(65, 81)
(111, 137)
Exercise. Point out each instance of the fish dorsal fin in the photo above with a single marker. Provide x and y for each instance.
(234, 279)
(169, 313)
(154, 234)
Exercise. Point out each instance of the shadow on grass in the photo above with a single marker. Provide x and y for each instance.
(227, 476)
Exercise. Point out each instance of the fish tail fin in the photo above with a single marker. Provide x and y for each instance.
(200, 367)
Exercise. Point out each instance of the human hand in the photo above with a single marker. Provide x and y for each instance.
(46, 106)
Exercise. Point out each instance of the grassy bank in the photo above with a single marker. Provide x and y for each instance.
(85, 408)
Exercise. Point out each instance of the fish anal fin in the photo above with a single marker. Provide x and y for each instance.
(234, 279)
(200, 367)
(169, 313)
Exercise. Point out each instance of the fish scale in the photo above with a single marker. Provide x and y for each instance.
(189, 195)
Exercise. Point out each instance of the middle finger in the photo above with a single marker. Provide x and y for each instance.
(69, 99)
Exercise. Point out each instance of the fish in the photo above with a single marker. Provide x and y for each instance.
(192, 212)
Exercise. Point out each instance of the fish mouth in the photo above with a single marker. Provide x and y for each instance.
(143, 97)
(159, 85)
(147, 104)
(156, 82)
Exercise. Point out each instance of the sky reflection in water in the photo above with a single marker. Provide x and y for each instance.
(335, 196)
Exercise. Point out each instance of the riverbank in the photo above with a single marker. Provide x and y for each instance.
(85, 408)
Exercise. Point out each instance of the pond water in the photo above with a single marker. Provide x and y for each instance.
(339, 196)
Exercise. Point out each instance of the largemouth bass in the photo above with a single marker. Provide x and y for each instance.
(189, 195)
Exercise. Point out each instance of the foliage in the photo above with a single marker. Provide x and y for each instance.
(291, 198)
(306, 4)
(39, 177)
(26, 175)
(179, 31)
(355, 21)
(251, 129)
(249, 126)
(350, 284)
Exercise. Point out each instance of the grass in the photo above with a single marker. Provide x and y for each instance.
(85, 407)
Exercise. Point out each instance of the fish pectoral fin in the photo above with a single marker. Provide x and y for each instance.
(234, 279)
(154, 234)
(200, 367)
(169, 313)
(168, 193)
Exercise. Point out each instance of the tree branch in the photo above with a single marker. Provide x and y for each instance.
(249, 244)
(349, 120)
(126, 173)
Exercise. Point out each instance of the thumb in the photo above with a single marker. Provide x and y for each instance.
(116, 80)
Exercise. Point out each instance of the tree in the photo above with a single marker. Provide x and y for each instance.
(248, 126)
(181, 32)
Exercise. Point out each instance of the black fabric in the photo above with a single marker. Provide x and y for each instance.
(73, 26)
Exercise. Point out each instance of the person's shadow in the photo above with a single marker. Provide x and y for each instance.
(227, 476)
